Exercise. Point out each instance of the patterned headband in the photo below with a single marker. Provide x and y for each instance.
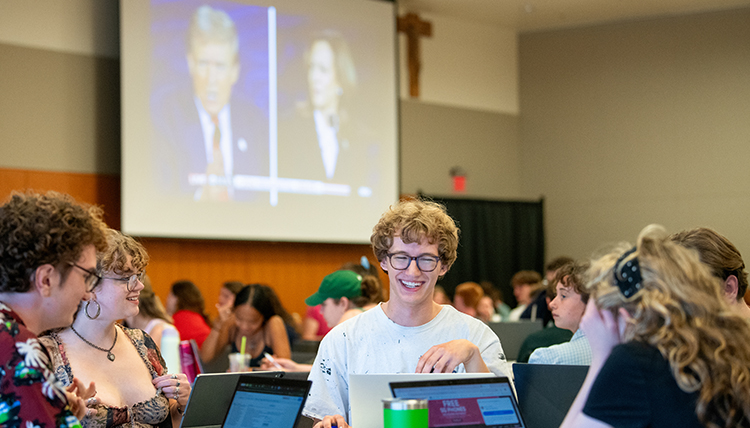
(628, 276)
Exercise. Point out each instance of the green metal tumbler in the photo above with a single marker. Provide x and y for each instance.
(405, 413)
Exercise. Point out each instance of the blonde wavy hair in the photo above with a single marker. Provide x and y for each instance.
(679, 310)
(115, 257)
(415, 221)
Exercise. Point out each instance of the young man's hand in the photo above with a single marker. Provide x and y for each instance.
(444, 358)
(332, 421)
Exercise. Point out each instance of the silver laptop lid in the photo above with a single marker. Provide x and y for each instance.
(367, 390)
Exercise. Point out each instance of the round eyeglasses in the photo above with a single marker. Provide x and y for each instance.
(90, 279)
(131, 280)
(425, 263)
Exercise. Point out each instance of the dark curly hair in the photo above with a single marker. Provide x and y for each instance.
(38, 229)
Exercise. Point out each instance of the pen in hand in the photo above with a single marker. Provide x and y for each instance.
(272, 360)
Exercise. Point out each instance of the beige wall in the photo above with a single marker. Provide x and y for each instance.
(467, 65)
(645, 122)
(88, 27)
(436, 138)
(59, 111)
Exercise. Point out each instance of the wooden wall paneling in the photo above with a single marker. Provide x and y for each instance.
(294, 270)
(99, 189)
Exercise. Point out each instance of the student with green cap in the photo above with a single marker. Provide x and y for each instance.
(344, 294)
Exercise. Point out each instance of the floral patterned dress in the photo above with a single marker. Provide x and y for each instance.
(30, 395)
(153, 412)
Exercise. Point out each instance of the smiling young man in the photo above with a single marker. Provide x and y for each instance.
(415, 242)
(48, 247)
(567, 309)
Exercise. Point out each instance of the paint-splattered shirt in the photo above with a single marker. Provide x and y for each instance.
(30, 395)
(372, 343)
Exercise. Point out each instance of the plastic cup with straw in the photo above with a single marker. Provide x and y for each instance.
(238, 362)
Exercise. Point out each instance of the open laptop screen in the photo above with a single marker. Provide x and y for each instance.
(266, 402)
(479, 403)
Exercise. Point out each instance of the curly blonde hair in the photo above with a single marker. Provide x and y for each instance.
(115, 257)
(679, 310)
(414, 221)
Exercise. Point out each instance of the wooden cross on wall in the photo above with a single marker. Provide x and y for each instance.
(414, 28)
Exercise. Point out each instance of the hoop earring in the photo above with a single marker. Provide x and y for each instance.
(98, 310)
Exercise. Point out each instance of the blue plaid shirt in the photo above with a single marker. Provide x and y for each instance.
(576, 352)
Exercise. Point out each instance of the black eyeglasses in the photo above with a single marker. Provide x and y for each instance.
(425, 263)
(131, 280)
(90, 279)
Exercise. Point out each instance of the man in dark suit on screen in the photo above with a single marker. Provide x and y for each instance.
(210, 141)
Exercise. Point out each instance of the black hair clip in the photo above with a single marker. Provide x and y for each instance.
(628, 276)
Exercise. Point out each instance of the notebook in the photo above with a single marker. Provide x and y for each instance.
(475, 403)
(210, 397)
(546, 392)
(366, 392)
(266, 402)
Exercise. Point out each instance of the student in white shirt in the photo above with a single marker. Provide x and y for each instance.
(416, 243)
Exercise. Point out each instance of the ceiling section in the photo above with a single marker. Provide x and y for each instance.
(538, 15)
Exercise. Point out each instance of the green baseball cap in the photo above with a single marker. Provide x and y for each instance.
(342, 283)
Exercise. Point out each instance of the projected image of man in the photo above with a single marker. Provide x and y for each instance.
(215, 135)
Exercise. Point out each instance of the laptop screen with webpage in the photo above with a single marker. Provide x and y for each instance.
(266, 402)
(479, 403)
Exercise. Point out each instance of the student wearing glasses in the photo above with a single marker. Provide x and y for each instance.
(48, 246)
(132, 384)
(415, 242)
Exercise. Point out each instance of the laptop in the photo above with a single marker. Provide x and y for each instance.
(546, 392)
(266, 402)
(462, 402)
(512, 334)
(210, 397)
(366, 392)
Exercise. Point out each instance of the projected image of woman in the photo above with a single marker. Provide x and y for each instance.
(330, 78)
(326, 141)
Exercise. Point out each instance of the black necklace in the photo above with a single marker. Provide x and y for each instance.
(110, 355)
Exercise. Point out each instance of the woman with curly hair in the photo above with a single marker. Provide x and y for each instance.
(667, 351)
(132, 384)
